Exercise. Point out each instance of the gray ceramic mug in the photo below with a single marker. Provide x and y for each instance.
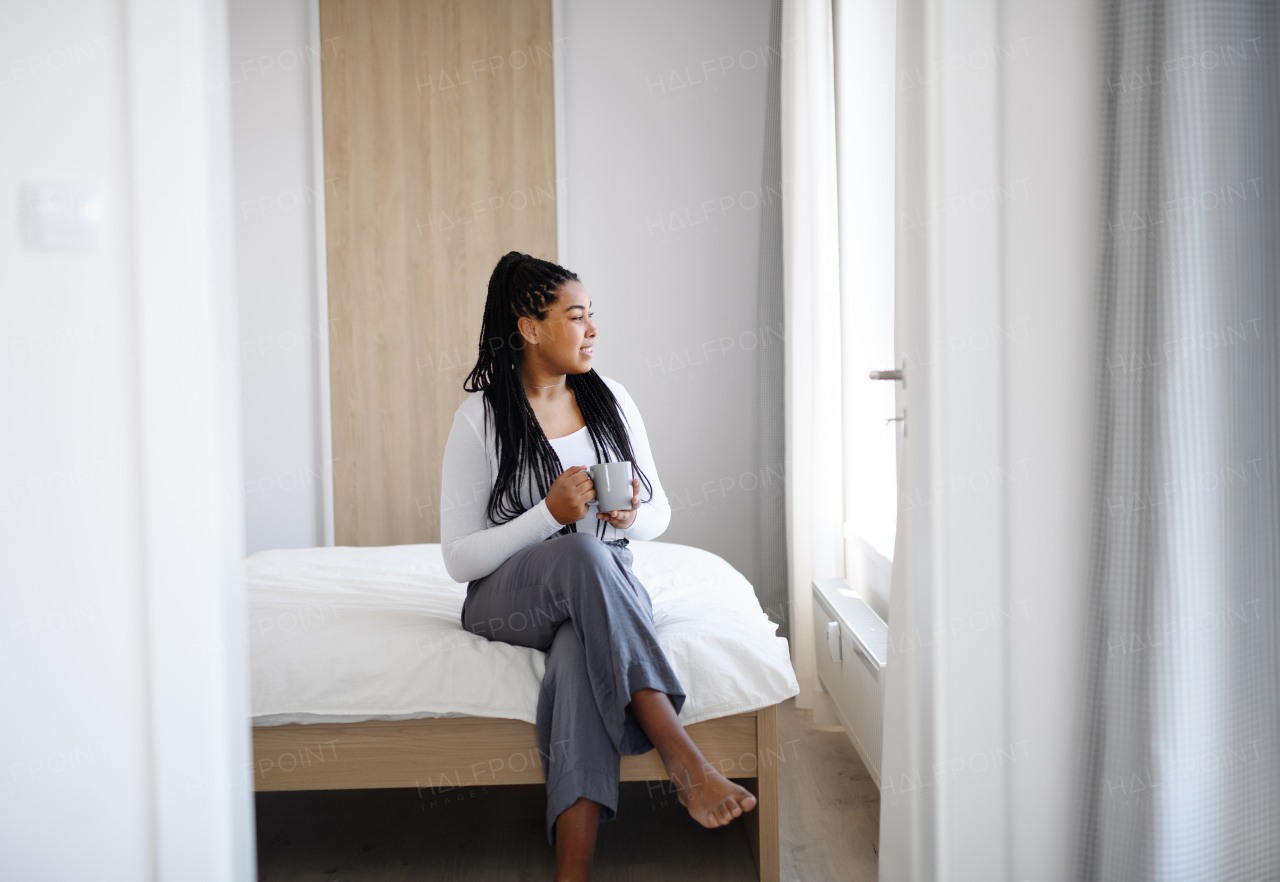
(612, 481)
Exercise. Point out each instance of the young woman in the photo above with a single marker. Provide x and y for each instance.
(547, 570)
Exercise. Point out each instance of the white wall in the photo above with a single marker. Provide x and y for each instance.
(665, 123)
(1050, 143)
(272, 59)
(75, 778)
(122, 675)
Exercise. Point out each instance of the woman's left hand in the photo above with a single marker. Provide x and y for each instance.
(624, 519)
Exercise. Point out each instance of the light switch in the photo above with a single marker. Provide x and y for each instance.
(61, 215)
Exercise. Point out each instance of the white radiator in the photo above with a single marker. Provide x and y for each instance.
(852, 645)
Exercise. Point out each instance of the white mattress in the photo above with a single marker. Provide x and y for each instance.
(348, 634)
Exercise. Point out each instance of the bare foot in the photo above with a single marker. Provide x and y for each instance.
(711, 798)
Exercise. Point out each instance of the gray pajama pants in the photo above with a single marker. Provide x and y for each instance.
(575, 598)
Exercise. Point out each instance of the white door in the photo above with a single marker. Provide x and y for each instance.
(908, 813)
(941, 815)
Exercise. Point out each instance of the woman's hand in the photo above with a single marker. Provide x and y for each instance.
(624, 519)
(570, 495)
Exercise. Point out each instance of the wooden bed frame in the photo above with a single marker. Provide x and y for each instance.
(481, 751)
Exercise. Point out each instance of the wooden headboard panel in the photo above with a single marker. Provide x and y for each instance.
(439, 157)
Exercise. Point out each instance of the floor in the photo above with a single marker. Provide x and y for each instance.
(829, 808)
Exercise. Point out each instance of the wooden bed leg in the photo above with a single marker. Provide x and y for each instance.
(762, 824)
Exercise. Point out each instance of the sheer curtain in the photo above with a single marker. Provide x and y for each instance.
(1181, 769)
(812, 313)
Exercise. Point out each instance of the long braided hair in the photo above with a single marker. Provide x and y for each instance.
(522, 285)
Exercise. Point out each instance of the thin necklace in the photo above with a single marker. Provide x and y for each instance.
(561, 383)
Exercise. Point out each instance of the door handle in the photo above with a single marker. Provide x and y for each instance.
(894, 375)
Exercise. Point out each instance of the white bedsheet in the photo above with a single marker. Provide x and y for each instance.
(403, 654)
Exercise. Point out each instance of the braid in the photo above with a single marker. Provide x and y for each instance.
(522, 285)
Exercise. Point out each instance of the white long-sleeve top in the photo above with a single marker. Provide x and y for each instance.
(473, 545)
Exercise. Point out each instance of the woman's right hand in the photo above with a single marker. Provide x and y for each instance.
(570, 497)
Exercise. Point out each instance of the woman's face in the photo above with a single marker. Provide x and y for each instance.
(564, 341)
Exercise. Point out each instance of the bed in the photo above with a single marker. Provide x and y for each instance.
(362, 676)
